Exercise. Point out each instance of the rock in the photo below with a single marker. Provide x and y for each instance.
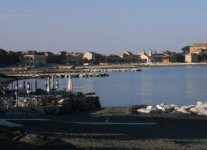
(3, 106)
(44, 142)
(84, 106)
(165, 108)
(60, 102)
(66, 104)
(201, 103)
(149, 107)
(143, 111)
(199, 109)
(133, 109)
(93, 102)
(182, 110)
(52, 109)
(188, 107)
(160, 107)
(38, 110)
(194, 110)
(149, 110)
(202, 112)
(155, 111)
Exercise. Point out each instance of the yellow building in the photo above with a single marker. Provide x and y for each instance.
(191, 58)
(194, 51)
(198, 48)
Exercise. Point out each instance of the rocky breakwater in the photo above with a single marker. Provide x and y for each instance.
(52, 104)
(79, 103)
(200, 108)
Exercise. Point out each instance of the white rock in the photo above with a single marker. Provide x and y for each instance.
(149, 110)
(144, 110)
(188, 107)
(149, 107)
(201, 104)
(60, 102)
(194, 110)
(182, 110)
(160, 107)
(168, 109)
(199, 109)
(165, 108)
(175, 106)
(202, 112)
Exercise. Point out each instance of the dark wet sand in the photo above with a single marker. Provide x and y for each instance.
(61, 131)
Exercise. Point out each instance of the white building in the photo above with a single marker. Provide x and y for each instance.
(90, 56)
(151, 57)
(126, 55)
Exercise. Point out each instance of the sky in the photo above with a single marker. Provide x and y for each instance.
(103, 26)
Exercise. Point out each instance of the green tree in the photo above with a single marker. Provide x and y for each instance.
(9, 58)
(185, 49)
(202, 57)
(55, 59)
(177, 57)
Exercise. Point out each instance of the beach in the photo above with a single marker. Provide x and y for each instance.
(108, 128)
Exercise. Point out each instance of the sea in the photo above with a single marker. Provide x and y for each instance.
(181, 85)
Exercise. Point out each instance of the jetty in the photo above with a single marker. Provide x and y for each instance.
(58, 75)
(200, 108)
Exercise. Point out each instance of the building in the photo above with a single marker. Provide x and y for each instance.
(145, 58)
(74, 58)
(195, 50)
(90, 56)
(198, 48)
(33, 60)
(166, 57)
(150, 57)
(48, 54)
(155, 57)
(191, 58)
(126, 55)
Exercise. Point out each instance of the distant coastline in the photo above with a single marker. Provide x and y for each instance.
(138, 65)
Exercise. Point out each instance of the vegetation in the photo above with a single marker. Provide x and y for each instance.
(9, 58)
(177, 57)
(185, 49)
(202, 57)
(55, 59)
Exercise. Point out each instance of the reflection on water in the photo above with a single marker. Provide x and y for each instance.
(179, 85)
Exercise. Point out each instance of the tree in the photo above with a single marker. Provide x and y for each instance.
(55, 59)
(185, 49)
(9, 58)
(177, 57)
(202, 57)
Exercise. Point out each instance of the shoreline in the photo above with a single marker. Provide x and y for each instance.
(88, 69)
(134, 65)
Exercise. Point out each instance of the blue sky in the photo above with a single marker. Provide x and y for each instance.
(105, 26)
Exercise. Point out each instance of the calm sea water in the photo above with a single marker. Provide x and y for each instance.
(180, 85)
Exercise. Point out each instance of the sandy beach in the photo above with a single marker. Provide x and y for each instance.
(108, 128)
